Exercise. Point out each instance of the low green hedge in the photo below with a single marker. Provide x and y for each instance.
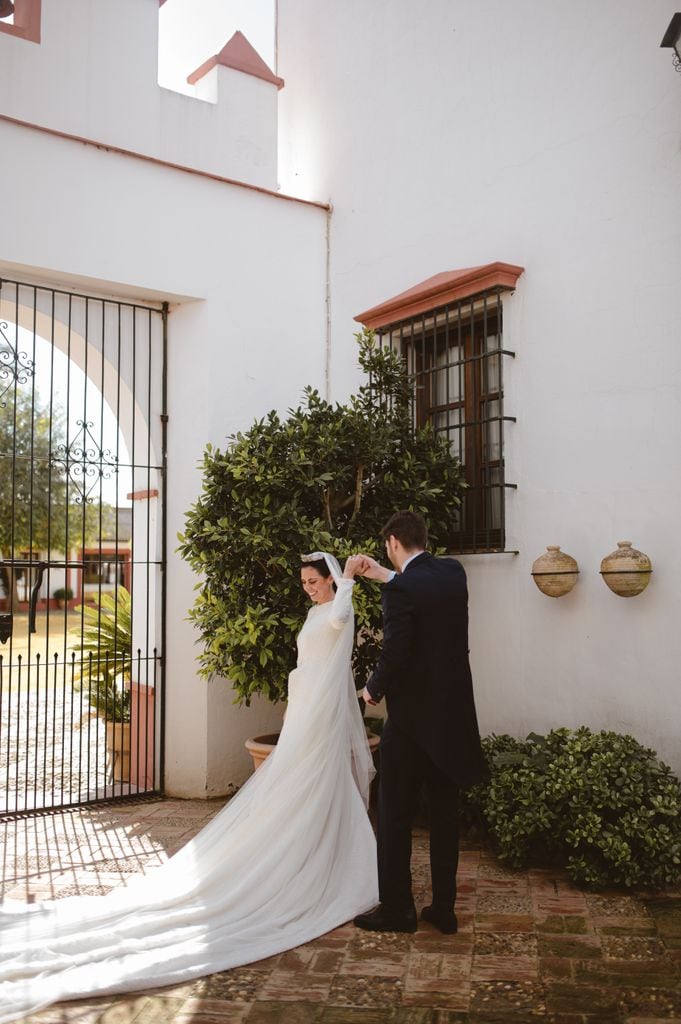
(600, 804)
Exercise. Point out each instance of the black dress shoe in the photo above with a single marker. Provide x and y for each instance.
(445, 920)
(383, 920)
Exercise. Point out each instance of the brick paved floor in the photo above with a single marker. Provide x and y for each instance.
(531, 947)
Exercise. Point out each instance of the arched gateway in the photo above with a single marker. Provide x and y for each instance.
(82, 547)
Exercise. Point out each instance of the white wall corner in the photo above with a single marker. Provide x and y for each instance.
(229, 763)
(246, 123)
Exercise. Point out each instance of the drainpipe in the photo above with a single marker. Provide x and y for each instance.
(327, 362)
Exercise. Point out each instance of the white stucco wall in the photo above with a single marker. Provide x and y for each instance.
(446, 135)
(94, 74)
(451, 134)
(244, 273)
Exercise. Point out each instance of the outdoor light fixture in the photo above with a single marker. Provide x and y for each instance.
(6, 9)
(672, 40)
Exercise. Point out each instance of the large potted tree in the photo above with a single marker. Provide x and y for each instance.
(325, 477)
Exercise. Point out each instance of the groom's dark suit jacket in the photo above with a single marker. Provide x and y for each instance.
(423, 670)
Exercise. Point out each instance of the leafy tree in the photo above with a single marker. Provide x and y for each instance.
(97, 513)
(34, 496)
(327, 477)
(32, 493)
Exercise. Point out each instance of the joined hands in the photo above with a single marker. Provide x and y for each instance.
(366, 566)
(355, 565)
(373, 570)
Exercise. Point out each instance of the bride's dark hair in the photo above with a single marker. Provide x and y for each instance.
(320, 565)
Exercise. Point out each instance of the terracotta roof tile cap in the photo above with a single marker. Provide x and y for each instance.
(440, 289)
(239, 55)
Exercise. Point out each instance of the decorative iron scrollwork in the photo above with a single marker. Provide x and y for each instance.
(84, 462)
(15, 366)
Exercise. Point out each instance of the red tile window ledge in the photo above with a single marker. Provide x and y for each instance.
(141, 495)
(26, 21)
(439, 290)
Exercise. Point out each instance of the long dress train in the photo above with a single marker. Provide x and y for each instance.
(290, 857)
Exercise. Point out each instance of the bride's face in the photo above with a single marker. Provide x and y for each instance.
(317, 587)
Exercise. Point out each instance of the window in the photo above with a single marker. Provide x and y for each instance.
(454, 351)
(105, 570)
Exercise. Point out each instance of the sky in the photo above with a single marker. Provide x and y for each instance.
(191, 31)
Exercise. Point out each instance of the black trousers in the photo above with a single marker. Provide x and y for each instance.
(405, 769)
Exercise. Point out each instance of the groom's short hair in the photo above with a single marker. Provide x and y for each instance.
(409, 528)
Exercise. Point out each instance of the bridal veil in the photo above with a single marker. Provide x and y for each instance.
(291, 856)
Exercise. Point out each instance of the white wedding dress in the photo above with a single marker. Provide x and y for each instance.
(290, 857)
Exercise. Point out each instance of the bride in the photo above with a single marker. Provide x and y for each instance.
(290, 857)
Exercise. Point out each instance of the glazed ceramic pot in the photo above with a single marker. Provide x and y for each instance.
(626, 571)
(554, 572)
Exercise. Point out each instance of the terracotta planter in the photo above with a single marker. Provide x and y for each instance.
(118, 751)
(260, 747)
(626, 571)
(555, 573)
(142, 727)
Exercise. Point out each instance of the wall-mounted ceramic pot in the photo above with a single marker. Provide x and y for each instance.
(626, 571)
(554, 572)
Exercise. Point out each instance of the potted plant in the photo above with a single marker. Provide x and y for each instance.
(62, 596)
(102, 674)
(260, 747)
(325, 477)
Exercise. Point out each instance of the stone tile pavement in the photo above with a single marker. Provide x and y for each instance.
(531, 947)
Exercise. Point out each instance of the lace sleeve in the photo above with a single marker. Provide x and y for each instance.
(341, 609)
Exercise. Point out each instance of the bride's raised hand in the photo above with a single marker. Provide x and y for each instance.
(355, 565)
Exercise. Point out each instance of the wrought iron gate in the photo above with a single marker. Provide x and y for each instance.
(82, 548)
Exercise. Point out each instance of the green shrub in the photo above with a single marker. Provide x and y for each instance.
(472, 801)
(326, 477)
(599, 803)
(63, 594)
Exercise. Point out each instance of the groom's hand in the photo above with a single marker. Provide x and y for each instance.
(367, 698)
(373, 570)
(354, 566)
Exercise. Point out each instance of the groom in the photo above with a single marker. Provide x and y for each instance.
(431, 735)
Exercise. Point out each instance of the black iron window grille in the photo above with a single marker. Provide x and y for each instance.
(455, 356)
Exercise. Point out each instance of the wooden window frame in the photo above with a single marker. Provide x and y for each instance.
(424, 308)
(420, 340)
